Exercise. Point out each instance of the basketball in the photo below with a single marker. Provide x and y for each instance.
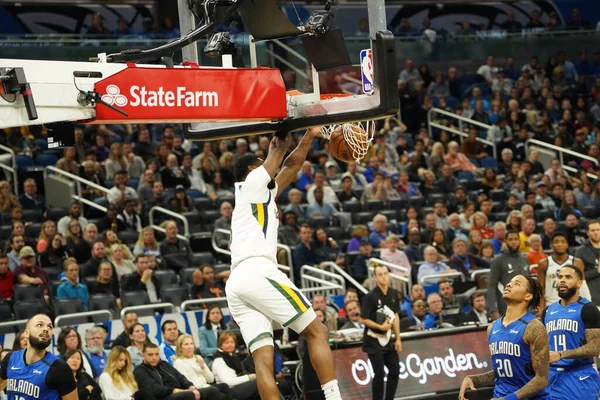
(338, 146)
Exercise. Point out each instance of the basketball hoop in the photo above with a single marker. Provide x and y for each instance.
(357, 136)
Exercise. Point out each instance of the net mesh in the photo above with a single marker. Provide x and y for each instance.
(357, 135)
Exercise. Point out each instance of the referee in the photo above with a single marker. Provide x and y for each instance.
(379, 314)
(33, 373)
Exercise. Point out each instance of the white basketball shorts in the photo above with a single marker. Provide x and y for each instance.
(258, 293)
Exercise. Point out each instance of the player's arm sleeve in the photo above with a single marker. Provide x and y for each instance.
(590, 316)
(60, 378)
(255, 186)
(4, 367)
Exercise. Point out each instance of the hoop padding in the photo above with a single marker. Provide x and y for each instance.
(357, 136)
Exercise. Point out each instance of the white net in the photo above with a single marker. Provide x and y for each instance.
(357, 135)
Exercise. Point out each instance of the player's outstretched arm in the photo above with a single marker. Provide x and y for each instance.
(537, 339)
(293, 162)
(277, 150)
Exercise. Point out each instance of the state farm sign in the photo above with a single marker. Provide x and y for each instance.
(192, 94)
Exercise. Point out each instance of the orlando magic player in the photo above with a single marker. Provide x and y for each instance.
(548, 270)
(519, 347)
(35, 374)
(573, 326)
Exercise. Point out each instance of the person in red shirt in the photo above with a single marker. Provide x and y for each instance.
(479, 223)
(6, 279)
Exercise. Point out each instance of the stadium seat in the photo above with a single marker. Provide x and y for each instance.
(373, 205)
(27, 309)
(5, 231)
(90, 282)
(53, 288)
(104, 302)
(465, 175)
(193, 219)
(204, 203)
(175, 295)
(133, 183)
(186, 275)
(350, 257)
(222, 268)
(41, 143)
(352, 206)
(363, 217)
(389, 214)
(319, 222)
(194, 194)
(25, 292)
(498, 195)
(129, 299)
(53, 273)
(416, 201)
(44, 160)
(200, 259)
(5, 312)
(208, 218)
(33, 230)
(489, 162)
(589, 212)
(435, 197)
(24, 161)
(54, 214)
(165, 277)
(32, 215)
(542, 215)
(67, 306)
(128, 237)
(335, 232)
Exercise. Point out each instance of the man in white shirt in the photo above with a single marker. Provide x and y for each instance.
(74, 213)
(120, 192)
(359, 181)
(488, 71)
(329, 195)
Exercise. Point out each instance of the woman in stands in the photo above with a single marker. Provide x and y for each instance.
(115, 162)
(514, 221)
(411, 213)
(69, 339)
(358, 232)
(194, 368)
(106, 283)
(437, 157)
(46, 234)
(21, 341)
(209, 332)
(219, 186)
(428, 186)
(583, 195)
(475, 241)
(147, 243)
(55, 254)
(68, 162)
(438, 240)
(229, 368)
(109, 238)
(569, 206)
(137, 335)
(122, 266)
(76, 244)
(87, 388)
(410, 224)
(117, 381)
(490, 181)
(465, 216)
(486, 251)
(406, 188)
(479, 222)
(457, 160)
(324, 247)
(181, 202)
(226, 162)
(7, 199)
(162, 152)
(207, 170)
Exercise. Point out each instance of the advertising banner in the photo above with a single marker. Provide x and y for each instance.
(427, 365)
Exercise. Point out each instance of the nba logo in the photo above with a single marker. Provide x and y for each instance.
(366, 67)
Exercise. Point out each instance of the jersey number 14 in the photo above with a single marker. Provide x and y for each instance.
(504, 368)
(560, 341)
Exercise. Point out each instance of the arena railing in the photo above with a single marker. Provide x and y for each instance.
(399, 282)
(78, 181)
(449, 275)
(186, 225)
(12, 169)
(480, 272)
(561, 152)
(333, 267)
(460, 133)
(185, 306)
(15, 326)
(81, 315)
(167, 306)
(288, 252)
(315, 280)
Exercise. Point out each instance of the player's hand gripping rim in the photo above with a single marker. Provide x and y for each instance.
(467, 383)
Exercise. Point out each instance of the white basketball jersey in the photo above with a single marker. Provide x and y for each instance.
(255, 219)
(552, 280)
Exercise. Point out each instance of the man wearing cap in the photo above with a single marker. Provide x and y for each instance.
(29, 273)
(331, 175)
(543, 198)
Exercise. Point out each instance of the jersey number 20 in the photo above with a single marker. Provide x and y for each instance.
(560, 341)
(504, 368)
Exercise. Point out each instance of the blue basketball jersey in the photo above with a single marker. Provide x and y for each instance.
(28, 382)
(511, 358)
(566, 331)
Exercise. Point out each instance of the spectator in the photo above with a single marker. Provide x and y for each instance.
(466, 263)
(120, 192)
(575, 237)
(359, 268)
(435, 307)
(21, 341)
(194, 368)
(116, 161)
(479, 223)
(142, 280)
(158, 199)
(417, 292)
(347, 193)
(430, 222)
(74, 214)
(223, 222)
(92, 171)
(325, 248)
(129, 319)
(117, 381)
(147, 243)
(77, 244)
(392, 254)
(55, 254)
(475, 241)
(146, 185)
(98, 255)
(87, 388)
(380, 231)
(359, 182)
(138, 339)
(135, 164)
(121, 264)
(97, 27)
(448, 298)
(471, 147)
(375, 190)
(499, 235)
(488, 71)
(511, 24)
(28, 272)
(438, 87)
(46, 234)
(543, 199)
(176, 252)
(288, 231)
(438, 240)
(170, 333)
(508, 264)
(303, 253)
(71, 288)
(192, 174)
(6, 279)
(466, 215)
(458, 161)
(569, 206)
(106, 283)
(415, 321)
(455, 230)
(30, 200)
(535, 253)
(172, 175)
(527, 230)
(352, 310)
(161, 379)
(329, 195)
(431, 266)
(181, 202)
(478, 312)
(144, 147)
(441, 217)
(209, 333)
(17, 242)
(94, 339)
(409, 75)
(413, 249)
(68, 162)
(228, 368)
(210, 286)
(69, 340)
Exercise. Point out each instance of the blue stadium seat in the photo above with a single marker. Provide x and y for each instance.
(194, 194)
(44, 160)
(24, 161)
(489, 162)
(42, 144)
(133, 183)
(465, 175)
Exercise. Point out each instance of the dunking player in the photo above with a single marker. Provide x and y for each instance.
(33, 373)
(519, 346)
(257, 291)
(548, 270)
(573, 326)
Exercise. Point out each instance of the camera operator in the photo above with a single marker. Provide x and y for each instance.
(379, 314)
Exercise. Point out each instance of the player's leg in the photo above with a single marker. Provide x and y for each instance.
(392, 362)
(263, 364)
(317, 338)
